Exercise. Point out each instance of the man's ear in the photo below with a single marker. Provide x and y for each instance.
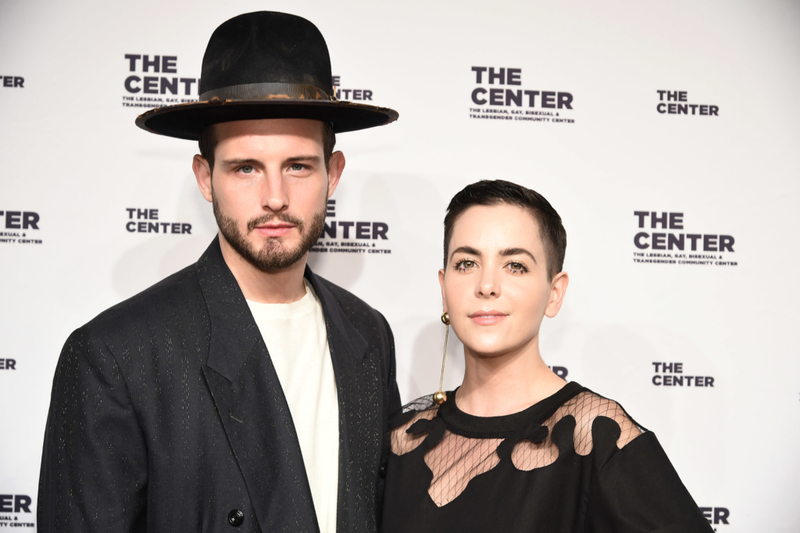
(202, 173)
(441, 284)
(335, 169)
(558, 289)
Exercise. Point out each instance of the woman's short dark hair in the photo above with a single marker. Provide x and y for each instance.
(208, 143)
(494, 192)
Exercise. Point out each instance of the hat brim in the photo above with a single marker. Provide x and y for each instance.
(186, 121)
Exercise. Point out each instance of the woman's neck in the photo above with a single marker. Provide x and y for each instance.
(505, 384)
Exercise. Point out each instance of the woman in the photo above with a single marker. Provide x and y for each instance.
(515, 448)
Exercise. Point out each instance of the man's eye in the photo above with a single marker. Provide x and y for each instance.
(297, 167)
(247, 169)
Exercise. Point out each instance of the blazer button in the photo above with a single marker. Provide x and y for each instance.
(235, 518)
(382, 470)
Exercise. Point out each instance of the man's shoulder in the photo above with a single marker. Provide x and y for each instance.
(171, 298)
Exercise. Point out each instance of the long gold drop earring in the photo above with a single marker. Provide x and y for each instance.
(440, 397)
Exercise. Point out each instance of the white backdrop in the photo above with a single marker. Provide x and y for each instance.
(74, 164)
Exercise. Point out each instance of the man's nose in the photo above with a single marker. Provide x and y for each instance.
(274, 196)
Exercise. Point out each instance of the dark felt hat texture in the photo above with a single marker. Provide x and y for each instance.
(264, 65)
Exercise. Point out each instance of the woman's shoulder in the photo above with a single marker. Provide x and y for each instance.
(421, 409)
(586, 408)
(423, 403)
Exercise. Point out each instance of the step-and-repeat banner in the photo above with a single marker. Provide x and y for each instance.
(666, 135)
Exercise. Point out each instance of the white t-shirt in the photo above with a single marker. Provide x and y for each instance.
(297, 341)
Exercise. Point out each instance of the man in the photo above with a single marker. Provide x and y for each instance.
(243, 390)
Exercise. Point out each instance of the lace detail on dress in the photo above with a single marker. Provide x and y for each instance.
(584, 408)
(420, 404)
(403, 441)
(587, 406)
(454, 460)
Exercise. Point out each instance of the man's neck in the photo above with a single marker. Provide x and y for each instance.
(273, 287)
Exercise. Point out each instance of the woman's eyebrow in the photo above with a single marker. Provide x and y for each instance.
(465, 249)
(517, 251)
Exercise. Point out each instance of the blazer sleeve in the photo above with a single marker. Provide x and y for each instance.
(392, 407)
(94, 461)
(393, 393)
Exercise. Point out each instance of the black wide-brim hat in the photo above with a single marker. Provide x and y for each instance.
(264, 65)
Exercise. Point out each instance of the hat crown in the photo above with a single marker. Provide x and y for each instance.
(266, 47)
(264, 65)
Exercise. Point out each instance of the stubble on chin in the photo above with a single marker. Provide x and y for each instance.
(274, 254)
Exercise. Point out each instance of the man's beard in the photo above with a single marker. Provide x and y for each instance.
(273, 255)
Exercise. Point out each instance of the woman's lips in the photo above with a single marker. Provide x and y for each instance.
(487, 318)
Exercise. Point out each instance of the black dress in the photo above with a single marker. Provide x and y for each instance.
(574, 462)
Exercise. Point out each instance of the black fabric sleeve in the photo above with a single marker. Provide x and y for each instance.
(638, 490)
(394, 404)
(392, 407)
(94, 462)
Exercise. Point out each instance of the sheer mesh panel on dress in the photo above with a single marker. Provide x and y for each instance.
(403, 442)
(455, 460)
(420, 404)
(584, 408)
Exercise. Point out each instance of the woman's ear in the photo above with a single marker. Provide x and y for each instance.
(558, 289)
(441, 284)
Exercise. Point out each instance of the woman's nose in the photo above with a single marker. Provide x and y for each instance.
(488, 284)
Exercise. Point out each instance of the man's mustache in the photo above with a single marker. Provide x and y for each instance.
(283, 217)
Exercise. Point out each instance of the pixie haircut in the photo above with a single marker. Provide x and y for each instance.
(496, 192)
(208, 143)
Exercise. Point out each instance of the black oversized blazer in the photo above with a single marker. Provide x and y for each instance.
(167, 415)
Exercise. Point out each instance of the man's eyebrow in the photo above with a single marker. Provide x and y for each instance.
(235, 162)
(517, 251)
(256, 162)
(302, 158)
(465, 249)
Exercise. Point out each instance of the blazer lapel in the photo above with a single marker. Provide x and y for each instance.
(359, 395)
(251, 404)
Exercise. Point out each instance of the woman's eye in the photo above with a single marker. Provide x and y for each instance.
(514, 266)
(465, 264)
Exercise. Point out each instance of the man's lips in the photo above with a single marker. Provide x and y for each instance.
(274, 230)
(487, 318)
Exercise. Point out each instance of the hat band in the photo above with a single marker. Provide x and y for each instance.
(266, 91)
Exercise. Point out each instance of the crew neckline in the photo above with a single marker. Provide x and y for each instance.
(305, 304)
(472, 426)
